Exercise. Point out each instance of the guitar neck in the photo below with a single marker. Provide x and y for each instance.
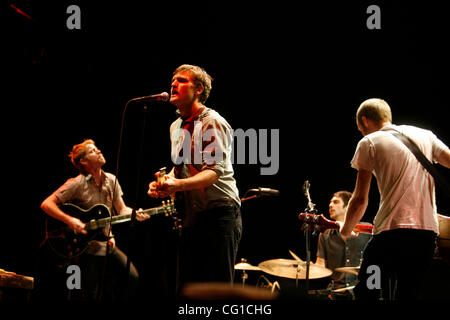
(363, 228)
(316, 222)
(101, 223)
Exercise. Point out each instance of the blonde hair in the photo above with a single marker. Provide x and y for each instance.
(374, 109)
(78, 153)
(201, 77)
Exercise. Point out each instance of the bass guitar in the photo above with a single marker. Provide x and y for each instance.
(318, 223)
(69, 244)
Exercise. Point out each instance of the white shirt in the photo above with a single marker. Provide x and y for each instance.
(201, 142)
(407, 192)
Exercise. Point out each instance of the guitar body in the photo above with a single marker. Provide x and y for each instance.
(66, 242)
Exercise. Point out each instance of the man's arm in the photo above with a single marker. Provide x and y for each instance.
(358, 202)
(122, 208)
(444, 158)
(201, 180)
(51, 207)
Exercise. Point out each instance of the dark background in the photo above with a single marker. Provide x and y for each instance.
(300, 68)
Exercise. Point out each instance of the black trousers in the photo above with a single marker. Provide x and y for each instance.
(208, 249)
(107, 278)
(404, 257)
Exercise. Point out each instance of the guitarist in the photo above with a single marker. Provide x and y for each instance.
(203, 175)
(93, 186)
(406, 223)
(335, 250)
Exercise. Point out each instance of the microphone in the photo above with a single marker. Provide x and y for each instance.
(266, 192)
(163, 96)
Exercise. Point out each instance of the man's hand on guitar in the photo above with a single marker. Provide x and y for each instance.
(164, 186)
(157, 191)
(141, 216)
(111, 244)
(154, 192)
(76, 225)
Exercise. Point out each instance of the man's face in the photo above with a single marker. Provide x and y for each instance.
(183, 89)
(94, 157)
(336, 208)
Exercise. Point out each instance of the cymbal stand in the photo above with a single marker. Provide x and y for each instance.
(299, 268)
(310, 209)
(244, 277)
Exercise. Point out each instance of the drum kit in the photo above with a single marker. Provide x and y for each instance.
(294, 269)
(297, 268)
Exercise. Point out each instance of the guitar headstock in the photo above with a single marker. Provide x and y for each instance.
(160, 176)
(168, 207)
(170, 210)
(316, 222)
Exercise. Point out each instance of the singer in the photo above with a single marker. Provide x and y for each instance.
(204, 187)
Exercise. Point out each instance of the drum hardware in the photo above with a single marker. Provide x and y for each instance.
(269, 284)
(351, 270)
(243, 265)
(301, 262)
(343, 289)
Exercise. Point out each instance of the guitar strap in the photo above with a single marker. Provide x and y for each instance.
(412, 146)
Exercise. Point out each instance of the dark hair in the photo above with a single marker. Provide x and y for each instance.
(344, 195)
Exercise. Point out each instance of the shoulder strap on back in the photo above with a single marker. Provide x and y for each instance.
(407, 141)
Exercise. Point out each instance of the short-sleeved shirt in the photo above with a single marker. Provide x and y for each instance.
(83, 192)
(407, 191)
(339, 253)
(201, 142)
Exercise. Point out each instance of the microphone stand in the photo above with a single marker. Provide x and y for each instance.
(259, 194)
(245, 198)
(133, 212)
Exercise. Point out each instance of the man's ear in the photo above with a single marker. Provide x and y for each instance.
(83, 162)
(199, 89)
(365, 121)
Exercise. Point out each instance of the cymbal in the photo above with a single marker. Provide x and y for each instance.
(351, 270)
(293, 269)
(245, 266)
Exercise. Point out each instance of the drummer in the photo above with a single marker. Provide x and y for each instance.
(335, 251)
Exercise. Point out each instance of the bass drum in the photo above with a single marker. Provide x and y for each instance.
(443, 240)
